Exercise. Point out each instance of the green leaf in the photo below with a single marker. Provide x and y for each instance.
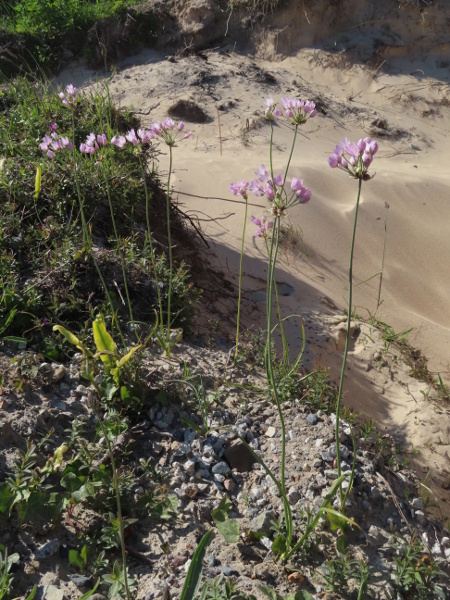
(229, 529)
(6, 497)
(303, 595)
(106, 348)
(73, 482)
(279, 545)
(194, 574)
(127, 356)
(37, 185)
(90, 592)
(268, 591)
(70, 337)
(76, 560)
(342, 543)
(40, 507)
(338, 520)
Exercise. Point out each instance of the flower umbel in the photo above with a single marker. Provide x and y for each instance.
(262, 225)
(240, 189)
(53, 143)
(69, 97)
(298, 111)
(355, 158)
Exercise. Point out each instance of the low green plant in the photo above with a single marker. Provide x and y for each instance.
(6, 563)
(416, 572)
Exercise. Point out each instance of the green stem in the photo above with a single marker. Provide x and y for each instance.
(291, 153)
(382, 259)
(240, 276)
(347, 338)
(119, 249)
(150, 242)
(271, 379)
(169, 240)
(118, 502)
(87, 242)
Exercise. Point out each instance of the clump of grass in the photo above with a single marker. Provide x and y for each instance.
(49, 30)
(47, 265)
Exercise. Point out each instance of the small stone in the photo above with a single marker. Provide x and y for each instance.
(312, 419)
(221, 468)
(229, 485)
(326, 457)
(445, 542)
(47, 550)
(81, 581)
(447, 553)
(189, 467)
(436, 549)
(219, 478)
(240, 457)
(263, 522)
(58, 372)
(51, 592)
(417, 503)
(255, 493)
(420, 516)
(293, 495)
(271, 432)
(191, 491)
(228, 572)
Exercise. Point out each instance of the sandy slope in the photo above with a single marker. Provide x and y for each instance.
(413, 98)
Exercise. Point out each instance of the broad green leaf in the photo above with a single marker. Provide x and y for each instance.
(73, 482)
(303, 595)
(75, 559)
(127, 356)
(342, 543)
(279, 545)
(268, 591)
(37, 185)
(106, 348)
(6, 497)
(229, 529)
(194, 574)
(338, 520)
(40, 507)
(70, 337)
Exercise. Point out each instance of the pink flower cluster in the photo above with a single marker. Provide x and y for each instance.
(69, 98)
(53, 143)
(263, 226)
(271, 110)
(298, 111)
(264, 185)
(93, 143)
(240, 189)
(355, 158)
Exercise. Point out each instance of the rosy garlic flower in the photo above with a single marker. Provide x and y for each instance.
(240, 189)
(69, 97)
(168, 130)
(355, 158)
(298, 111)
(271, 110)
(53, 143)
(263, 226)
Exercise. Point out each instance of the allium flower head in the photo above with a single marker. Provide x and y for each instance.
(355, 158)
(271, 110)
(118, 141)
(90, 146)
(264, 186)
(298, 111)
(69, 97)
(53, 143)
(168, 131)
(303, 194)
(262, 225)
(240, 189)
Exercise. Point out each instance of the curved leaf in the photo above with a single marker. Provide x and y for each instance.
(194, 574)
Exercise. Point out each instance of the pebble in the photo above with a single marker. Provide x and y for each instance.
(312, 419)
(80, 581)
(51, 592)
(221, 468)
(271, 432)
(229, 485)
(48, 549)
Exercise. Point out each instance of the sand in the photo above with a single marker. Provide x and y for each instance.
(406, 107)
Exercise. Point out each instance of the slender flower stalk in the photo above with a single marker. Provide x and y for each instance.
(169, 242)
(379, 301)
(240, 189)
(355, 159)
(280, 199)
